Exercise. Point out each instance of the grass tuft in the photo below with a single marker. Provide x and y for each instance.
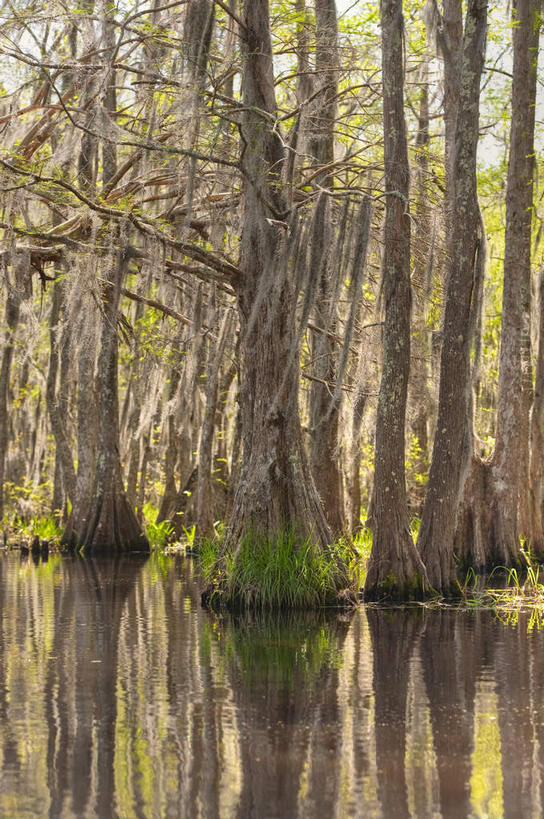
(522, 590)
(283, 572)
(46, 527)
(160, 534)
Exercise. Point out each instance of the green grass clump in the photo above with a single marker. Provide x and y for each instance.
(159, 534)
(522, 591)
(46, 527)
(283, 572)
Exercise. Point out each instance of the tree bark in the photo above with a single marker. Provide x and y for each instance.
(536, 484)
(17, 292)
(418, 390)
(111, 525)
(87, 425)
(450, 40)
(167, 505)
(497, 497)
(395, 568)
(109, 149)
(324, 407)
(324, 401)
(204, 500)
(360, 381)
(54, 395)
(355, 501)
(452, 450)
(509, 467)
(275, 490)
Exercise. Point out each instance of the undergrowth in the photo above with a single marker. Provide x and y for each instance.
(46, 527)
(522, 589)
(279, 573)
(160, 534)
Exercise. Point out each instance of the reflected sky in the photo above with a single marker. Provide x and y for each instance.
(120, 696)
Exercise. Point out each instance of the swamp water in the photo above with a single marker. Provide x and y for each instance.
(120, 696)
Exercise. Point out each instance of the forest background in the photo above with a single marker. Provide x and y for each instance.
(216, 247)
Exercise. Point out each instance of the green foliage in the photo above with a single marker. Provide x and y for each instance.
(522, 591)
(276, 573)
(208, 554)
(359, 546)
(190, 534)
(413, 462)
(28, 511)
(46, 527)
(26, 502)
(158, 534)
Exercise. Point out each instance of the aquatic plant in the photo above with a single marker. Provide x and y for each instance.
(521, 589)
(46, 527)
(280, 572)
(190, 535)
(158, 534)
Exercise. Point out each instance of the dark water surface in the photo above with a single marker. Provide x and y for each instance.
(120, 696)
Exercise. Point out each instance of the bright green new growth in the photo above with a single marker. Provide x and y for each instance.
(162, 535)
(158, 534)
(46, 527)
(280, 572)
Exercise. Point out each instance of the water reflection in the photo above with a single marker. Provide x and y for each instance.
(393, 636)
(283, 672)
(120, 696)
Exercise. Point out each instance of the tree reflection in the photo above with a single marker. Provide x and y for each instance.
(283, 671)
(120, 696)
(393, 635)
(513, 671)
(451, 666)
(95, 595)
(71, 612)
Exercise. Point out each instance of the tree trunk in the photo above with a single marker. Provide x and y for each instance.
(275, 490)
(111, 525)
(355, 501)
(16, 293)
(54, 395)
(418, 390)
(167, 505)
(87, 425)
(509, 467)
(324, 401)
(497, 497)
(204, 500)
(109, 149)
(324, 407)
(395, 568)
(536, 483)
(452, 450)
(360, 381)
(450, 40)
